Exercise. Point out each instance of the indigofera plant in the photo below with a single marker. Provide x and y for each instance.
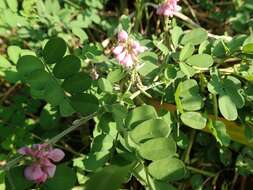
(107, 101)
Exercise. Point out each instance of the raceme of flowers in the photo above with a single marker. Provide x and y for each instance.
(168, 8)
(42, 167)
(127, 50)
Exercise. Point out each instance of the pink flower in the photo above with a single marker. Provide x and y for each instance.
(122, 36)
(42, 167)
(127, 50)
(168, 8)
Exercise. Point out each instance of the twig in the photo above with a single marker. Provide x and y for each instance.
(203, 172)
(7, 94)
(188, 151)
(194, 25)
(191, 10)
(145, 88)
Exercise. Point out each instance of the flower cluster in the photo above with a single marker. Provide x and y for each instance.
(127, 50)
(168, 8)
(42, 167)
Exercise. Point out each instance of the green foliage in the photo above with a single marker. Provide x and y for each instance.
(64, 179)
(54, 50)
(119, 127)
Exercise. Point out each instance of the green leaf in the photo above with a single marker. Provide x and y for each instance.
(161, 185)
(189, 88)
(116, 75)
(176, 33)
(18, 179)
(215, 85)
(77, 83)
(79, 32)
(53, 94)
(66, 109)
(248, 48)
(219, 131)
(191, 99)
(125, 22)
(232, 87)
(54, 50)
(139, 115)
(14, 53)
(150, 129)
(158, 148)
(196, 36)
(4, 63)
(102, 143)
(227, 107)
(85, 103)
(64, 179)
(148, 62)
(96, 160)
(27, 64)
(187, 69)
(169, 169)
(204, 47)
(13, 5)
(110, 177)
(186, 52)
(105, 85)
(67, 67)
(192, 103)
(194, 120)
(170, 72)
(200, 60)
(38, 79)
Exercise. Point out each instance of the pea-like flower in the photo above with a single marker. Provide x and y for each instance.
(42, 167)
(168, 8)
(127, 50)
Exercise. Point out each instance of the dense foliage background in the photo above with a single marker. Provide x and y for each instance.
(180, 119)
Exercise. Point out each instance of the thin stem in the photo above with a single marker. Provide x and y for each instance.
(203, 172)
(215, 106)
(72, 4)
(139, 8)
(188, 151)
(76, 124)
(134, 95)
(147, 177)
(195, 25)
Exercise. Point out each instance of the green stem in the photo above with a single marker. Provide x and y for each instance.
(134, 95)
(215, 106)
(147, 177)
(139, 9)
(72, 4)
(123, 5)
(188, 151)
(203, 172)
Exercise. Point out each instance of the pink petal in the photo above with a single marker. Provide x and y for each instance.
(50, 170)
(42, 179)
(24, 151)
(122, 36)
(117, 50)
(128, 61)
(56, 155)
(121, 56)
(33, 172)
